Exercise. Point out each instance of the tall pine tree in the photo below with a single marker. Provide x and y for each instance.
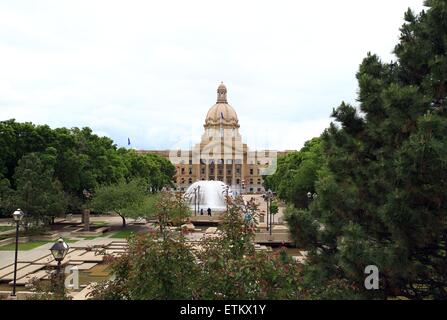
(382, 196)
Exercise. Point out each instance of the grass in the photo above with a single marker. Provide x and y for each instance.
(6, 228)
(99, 224)
(122, 234)
(30, 245)
(23, 246)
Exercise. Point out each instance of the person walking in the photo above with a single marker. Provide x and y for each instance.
(209, 211)
(201, 211)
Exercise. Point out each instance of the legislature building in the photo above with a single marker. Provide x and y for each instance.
(221, 155)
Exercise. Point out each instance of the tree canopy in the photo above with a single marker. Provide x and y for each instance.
(381, 191)
(74, 159)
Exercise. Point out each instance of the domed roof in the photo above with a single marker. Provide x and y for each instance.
(221, 113)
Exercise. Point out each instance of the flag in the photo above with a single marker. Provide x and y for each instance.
(128, 141)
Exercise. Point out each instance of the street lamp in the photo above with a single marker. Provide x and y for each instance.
(310, 197)
(17, 216)
(59, 250)
(195, 201)
(198, 198)
(269, 202)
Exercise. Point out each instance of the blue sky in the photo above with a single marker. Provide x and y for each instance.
(149, 70)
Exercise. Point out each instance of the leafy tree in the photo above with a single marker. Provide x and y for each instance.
(274, 208)
(165, 266)
(156, 170)
(6, 192)
(123, 198)
(296, 174)
(38, 194)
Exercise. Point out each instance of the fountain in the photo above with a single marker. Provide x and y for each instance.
(208, 194)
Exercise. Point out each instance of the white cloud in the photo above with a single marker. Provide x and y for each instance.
(149, 70)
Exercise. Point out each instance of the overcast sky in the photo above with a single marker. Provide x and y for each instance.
(149, 70)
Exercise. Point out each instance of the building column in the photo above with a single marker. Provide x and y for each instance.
(215, 169)
(233, 171)
(224, 168)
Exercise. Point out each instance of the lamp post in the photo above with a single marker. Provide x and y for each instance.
(59, 250)
(198, 198)
(310, 197)
(195, 201)
(269, 202)
(17, 216)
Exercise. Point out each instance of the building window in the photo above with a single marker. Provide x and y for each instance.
(203, 171)
(183, 170)
(190, 171)
(238, 181)
(251, 181)
(190, 181)
(251, 171)
(190, 161)
(238, 171)
(251, 189)
(259, 189)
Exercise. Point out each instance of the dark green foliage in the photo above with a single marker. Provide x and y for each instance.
(381, 194)
(77, 159)
(38, 194)
(296, 174)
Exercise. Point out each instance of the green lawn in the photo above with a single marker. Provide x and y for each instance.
(29, 245)
(99, 224)
(122, 234)
(23, 246)
(6, 228)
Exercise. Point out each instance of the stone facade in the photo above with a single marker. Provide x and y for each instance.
(221, 154)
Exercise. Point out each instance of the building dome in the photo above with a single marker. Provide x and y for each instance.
(221, 113)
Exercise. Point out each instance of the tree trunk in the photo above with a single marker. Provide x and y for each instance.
(124, 219)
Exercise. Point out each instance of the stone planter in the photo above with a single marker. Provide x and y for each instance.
(92, 233)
